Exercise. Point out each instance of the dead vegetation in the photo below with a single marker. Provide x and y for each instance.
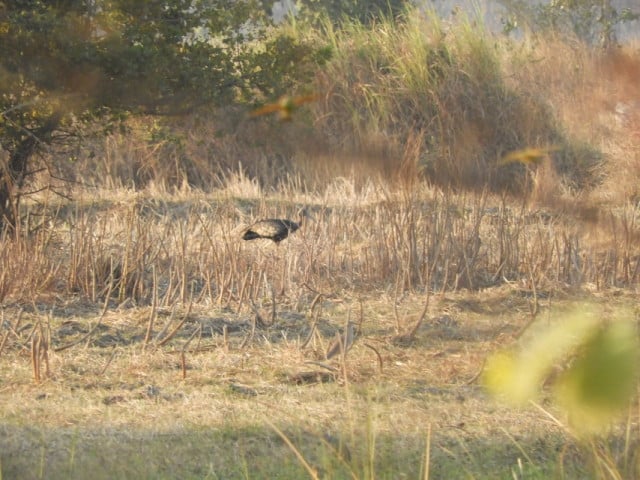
(134, 316)
(159, 315)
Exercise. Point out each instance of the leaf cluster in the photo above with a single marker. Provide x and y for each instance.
(362, 11)
(66, 66)
(588, 356)
(593, 21)
(151, 56)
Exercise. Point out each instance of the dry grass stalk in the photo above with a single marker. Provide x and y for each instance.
(310, 470)
(108, 362)
(273, 305)
(185, 347)
(225, 338)
(153, 313)
(427, 453)
(258, 317)
(408, 337)
(396, 316)
(375, 350)
(35, 357)
(243, 290)
(11, 329)
(342, 342)
(249, 337)
(315, 315)
(315, 376)
(3, 342)
(177, 328)
(39, 353)
(162, 333)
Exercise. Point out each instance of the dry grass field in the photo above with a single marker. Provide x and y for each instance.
(181, 351)
(140, 337)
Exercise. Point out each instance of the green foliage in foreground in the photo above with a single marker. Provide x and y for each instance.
(362, 11)
(599, 353)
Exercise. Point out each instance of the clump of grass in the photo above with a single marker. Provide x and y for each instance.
(25, 262)
(444, 83)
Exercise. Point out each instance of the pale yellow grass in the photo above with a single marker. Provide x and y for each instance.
(155, 261)
(124, 395)
(226, 386)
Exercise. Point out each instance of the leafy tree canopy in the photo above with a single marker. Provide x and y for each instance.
(364, 11)
(149, 55)
(69, 62)
(593, 21)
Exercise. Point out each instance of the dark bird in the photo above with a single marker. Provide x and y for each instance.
(276, 229)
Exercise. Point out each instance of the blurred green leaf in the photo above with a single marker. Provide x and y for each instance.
(602, 379)
(598, 352)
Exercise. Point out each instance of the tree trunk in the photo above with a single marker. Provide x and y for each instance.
(16, 171)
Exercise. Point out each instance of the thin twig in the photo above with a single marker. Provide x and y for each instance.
(395, 305)
(273, 305)
(35, 356)
(473, 379)
(259, 318)
(88, 335)
(177, 327)
(312, 472)
(317, 299)
(326, 366)
(314, 316)
(11, 330)
(154, 309)
(251, 333)
(183, 353)
(109, 360)
(311, 332)
(380, 363)
(427, 453)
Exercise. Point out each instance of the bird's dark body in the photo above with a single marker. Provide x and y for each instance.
(275, 229)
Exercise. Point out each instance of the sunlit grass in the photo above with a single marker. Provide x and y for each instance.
(160, 335)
